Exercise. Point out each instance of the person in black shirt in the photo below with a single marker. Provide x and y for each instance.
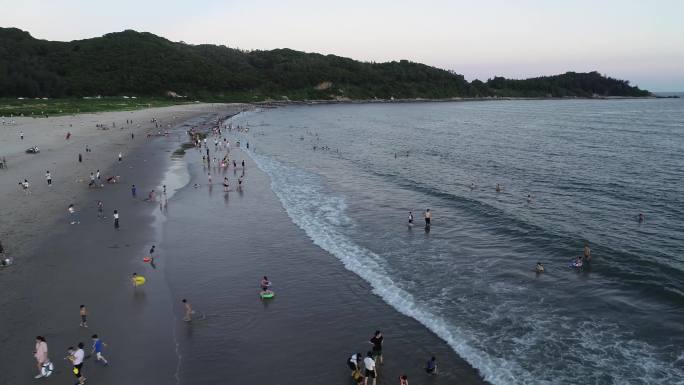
(377, 346)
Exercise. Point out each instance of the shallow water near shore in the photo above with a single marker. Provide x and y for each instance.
(590, 168)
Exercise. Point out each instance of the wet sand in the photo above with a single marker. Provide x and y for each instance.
(322, 313)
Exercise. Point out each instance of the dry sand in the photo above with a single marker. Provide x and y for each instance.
(23, 215)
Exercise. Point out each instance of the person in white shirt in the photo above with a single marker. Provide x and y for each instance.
(25, 185)
(116, 219)
(72, 214)
(48, 178)
(76, 357)
(369, 364)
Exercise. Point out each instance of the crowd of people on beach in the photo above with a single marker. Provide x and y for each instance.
(76, 355)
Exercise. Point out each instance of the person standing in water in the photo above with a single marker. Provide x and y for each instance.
(120, 157)
(116, 219)
(100, 209)
(369, 364)
(188, 310)
(428, 217)
(376, 340)
(431, 366)
(587, 251)
(410, 219)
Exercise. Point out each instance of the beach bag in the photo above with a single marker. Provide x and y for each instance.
(47, 369)
(356, 375)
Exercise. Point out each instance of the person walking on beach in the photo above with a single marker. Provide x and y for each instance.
(97, 175)
(72, 214)
(133, 190)
(26, 187)
(92, 180)
(100, 209)
(120, 156)
(41, 354)
(83, 312)
(80, 158)
(428, 217)
(188, 310)
(376, 340)
(97, 349)
(21, 135)
(403, 380)
(116, 219)
(369, 364)
(76, 356)
(48, 178)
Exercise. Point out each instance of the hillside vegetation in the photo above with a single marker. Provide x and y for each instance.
(143, 64)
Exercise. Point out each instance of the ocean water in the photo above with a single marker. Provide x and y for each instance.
(348, 175)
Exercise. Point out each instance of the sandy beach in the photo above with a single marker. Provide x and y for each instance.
(58, 266)
(211, 247)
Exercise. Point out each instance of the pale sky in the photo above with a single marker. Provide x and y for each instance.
(641, 41)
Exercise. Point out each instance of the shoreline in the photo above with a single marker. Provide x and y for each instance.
(240, 236)
(279, 103)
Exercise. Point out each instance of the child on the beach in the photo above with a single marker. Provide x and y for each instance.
(97, 349)
(84, 315)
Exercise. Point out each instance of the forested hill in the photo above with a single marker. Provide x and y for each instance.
(134, 63)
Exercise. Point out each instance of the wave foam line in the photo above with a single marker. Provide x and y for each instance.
(296, 190)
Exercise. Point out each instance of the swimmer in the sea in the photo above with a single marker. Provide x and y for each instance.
(410, 219)
(529, 198)
(577, 263)
(539, 268)
(498, 188)
(641, 217)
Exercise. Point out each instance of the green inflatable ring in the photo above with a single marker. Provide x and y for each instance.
(267, 295)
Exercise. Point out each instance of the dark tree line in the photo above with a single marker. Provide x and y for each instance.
(133, 63)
